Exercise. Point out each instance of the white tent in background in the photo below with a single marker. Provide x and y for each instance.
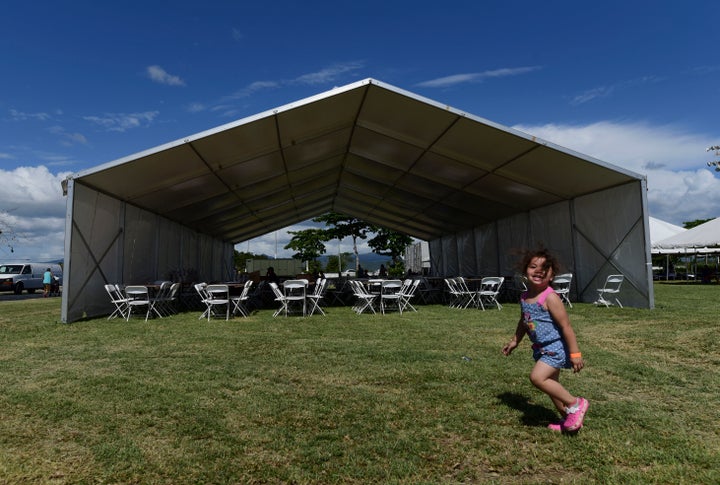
(699, 237)
(660, 230)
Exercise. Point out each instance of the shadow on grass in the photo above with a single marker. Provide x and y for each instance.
(533, 414)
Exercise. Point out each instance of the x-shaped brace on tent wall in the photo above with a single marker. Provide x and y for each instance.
(95, 260)
(608, 256)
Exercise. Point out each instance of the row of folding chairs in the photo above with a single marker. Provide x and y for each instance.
(486, 294)
(395, 294)
(134, 298)
(218, 301)
(294, 293)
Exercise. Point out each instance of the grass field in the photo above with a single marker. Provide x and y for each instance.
(419, 398)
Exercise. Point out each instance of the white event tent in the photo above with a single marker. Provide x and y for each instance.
(704, 238)
(478, 192)
(660, 230)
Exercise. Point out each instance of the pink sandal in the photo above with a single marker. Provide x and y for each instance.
(574, 420)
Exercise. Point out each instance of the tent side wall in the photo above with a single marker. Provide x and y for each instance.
(111, 241)
(593, 236)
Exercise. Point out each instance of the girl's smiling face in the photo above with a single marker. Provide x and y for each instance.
(539, 273)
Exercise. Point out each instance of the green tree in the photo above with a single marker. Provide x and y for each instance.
(342, 226)
(696, 222)
(332, 263)
(309, 244)
(391, 243)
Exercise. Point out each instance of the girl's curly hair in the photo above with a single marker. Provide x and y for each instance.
(551, 262)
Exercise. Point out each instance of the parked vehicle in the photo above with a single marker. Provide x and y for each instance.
(17, 277)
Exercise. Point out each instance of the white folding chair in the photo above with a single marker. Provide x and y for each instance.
(159, 301)
(519, 284)
(239, 301)
(468, 296)
(201, 289)
(295, 291)
(317, 295)
(365, 299)
(137, 297)
(280, 298)
(117, 299)
(489, 291)
(218, 296)
(407, 294)
(390, 295)
(561, 285)
(611, 287)
(456, 295)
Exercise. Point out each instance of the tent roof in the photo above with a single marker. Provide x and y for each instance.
(660, 230)
(707, 234)
(368, 150)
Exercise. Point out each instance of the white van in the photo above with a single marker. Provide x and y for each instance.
(17, 277)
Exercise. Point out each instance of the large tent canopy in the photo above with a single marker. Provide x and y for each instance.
(703, 236)
(368, 150)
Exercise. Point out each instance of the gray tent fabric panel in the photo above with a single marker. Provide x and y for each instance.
(451, 265)
(169, 260)
(95, 254)
(513, 241)
(590, 239)
(610, 241)
(114, 242)
(466, 253)
(141, 234)
(436, 257)
(486, 249)
(552, 228)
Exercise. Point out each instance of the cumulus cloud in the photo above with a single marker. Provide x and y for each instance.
(160, 76)
(475, 77)
(32, 219)
(680, 186)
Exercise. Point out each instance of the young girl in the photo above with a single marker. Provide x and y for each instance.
(544, 319)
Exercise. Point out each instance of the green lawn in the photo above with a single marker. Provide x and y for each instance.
(424, 397)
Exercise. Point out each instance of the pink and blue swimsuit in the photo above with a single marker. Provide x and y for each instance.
(548, 343)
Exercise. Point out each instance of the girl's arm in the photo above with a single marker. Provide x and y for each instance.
(557, 310)
(519, 334)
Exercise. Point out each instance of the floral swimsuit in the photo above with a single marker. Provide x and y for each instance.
(548, 343)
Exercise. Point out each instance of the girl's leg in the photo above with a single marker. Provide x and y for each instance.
(545, 378)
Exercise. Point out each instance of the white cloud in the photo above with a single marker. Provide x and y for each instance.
(160, 76)
(475, 77)
(196, 107)
(32, 214)
(606, 91)
(22, 116)
(328, 74)
(123, 121)
(68, 139)
(680, 187)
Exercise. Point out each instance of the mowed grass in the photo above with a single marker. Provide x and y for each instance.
(416, 398)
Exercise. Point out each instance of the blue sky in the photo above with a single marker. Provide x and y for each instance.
(631, 83)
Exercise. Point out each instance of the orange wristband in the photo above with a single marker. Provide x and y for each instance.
(576, 355)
